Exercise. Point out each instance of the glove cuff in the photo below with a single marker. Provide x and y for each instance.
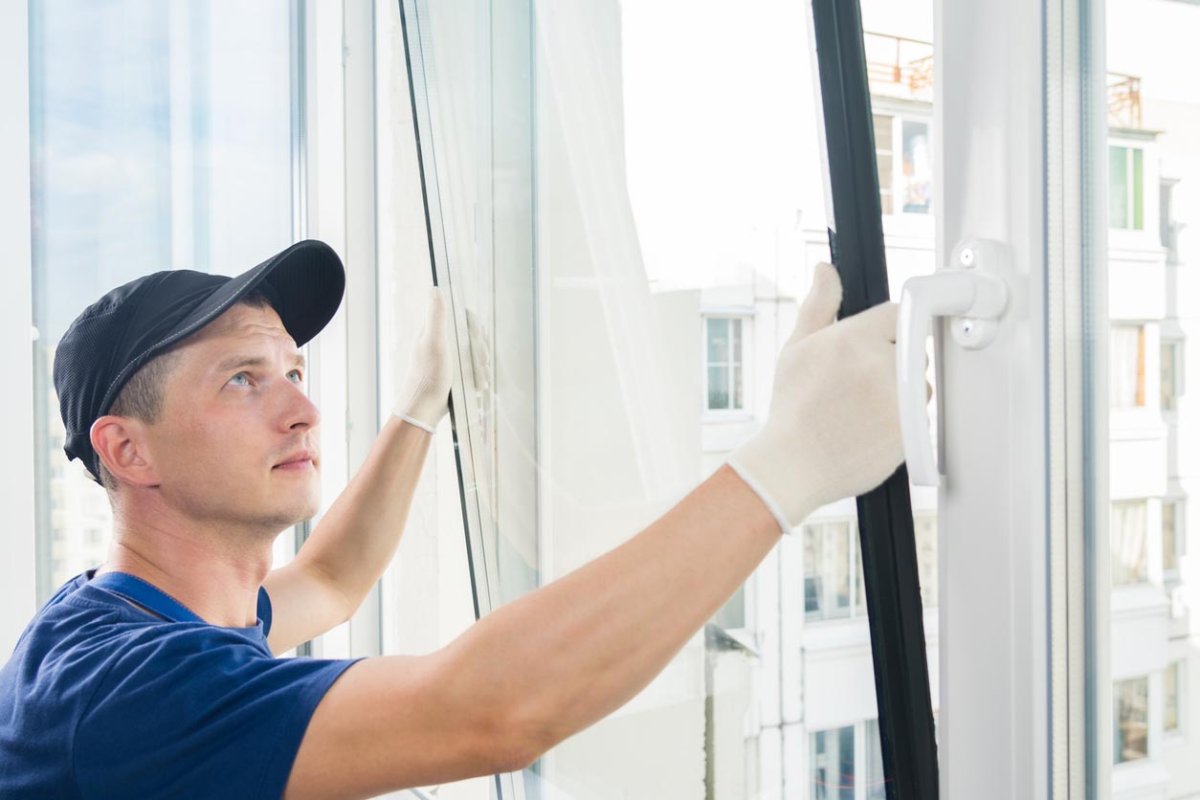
(785, 527)
(416, 423)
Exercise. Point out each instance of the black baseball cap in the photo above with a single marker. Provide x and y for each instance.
(115, 336)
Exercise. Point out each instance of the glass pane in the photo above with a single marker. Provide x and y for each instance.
(875, 783)
(832, 759)
(1127, 532)
(1139, 191)
(883, 154)
(1154, 144)
(1131, 719)
(1171, 697)
(735, 350)
(918, 168)
(150, 150)
(1118, 187)
(718, 387)
(647, 214)
(1170, 541)
(718, 341)
(1170, 360)
(1127, 371)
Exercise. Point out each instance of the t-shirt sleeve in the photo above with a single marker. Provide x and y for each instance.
(198, 713)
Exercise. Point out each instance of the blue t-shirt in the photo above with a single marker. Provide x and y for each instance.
(102, 699)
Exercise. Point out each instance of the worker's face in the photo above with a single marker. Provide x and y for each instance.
(234, 410)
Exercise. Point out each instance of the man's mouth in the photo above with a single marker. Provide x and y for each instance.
(300, 461)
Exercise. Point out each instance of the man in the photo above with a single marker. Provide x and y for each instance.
(154, 675)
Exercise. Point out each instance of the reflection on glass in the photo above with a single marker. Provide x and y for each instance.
(1131, 719)
(918, 168)
(151, 149)
(1127, 370)
(659, 226)
(1169, 398)
(1171, 697)
(1127, 532)
(1153, 167)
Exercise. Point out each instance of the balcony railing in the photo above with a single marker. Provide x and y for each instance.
(898, 66)
(901, 67)
(1124, 100)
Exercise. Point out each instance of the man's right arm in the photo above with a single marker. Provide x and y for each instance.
(555, 661)
(541, 668)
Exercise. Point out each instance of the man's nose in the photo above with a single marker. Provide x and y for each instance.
(299, 410)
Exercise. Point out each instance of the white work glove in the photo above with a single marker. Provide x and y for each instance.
(833, 429)
(425, 396)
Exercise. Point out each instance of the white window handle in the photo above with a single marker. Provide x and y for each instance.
(977, 299)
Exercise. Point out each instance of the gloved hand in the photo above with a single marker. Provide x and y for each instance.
(424, 398)
(833, 429)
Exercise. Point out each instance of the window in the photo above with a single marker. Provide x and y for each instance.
(1171, 367)
(1172, 696)
(1172, 539)
(1167, 227)
(829, 551)
(833, 764)
(143, 121)
(1130, 719)
(1127, 532)
(1127, 366)
(839, 772)
(1125, 188)
(834, 588)
(908, 183)
(875, 783)
(724, 359)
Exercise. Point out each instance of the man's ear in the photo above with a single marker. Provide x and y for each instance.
(122, 445)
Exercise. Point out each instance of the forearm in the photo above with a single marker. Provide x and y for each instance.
(359, 534)
(575, 650)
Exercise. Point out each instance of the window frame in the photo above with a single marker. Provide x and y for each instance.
(745, 316)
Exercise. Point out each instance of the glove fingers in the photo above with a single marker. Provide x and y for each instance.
(877, 322)
(820, 307)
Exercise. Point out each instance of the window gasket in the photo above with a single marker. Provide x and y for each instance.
(886, 529)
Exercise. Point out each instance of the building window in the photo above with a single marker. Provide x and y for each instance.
(843, 771)
(724, 348)
(833, 764)
(1130, 719)
(832, 571)
(1171, 369)
(905, 185)
(874, 780)
(1127, 366)
(1125, 188)
(1172, 539)
(1167, 227)
(1127, 532)
(1172, 696)
(834, 587)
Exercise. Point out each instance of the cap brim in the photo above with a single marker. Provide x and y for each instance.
(304, 283)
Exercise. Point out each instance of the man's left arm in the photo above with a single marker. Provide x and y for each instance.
(350, 548)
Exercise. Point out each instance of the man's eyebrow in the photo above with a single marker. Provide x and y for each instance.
(237, 362)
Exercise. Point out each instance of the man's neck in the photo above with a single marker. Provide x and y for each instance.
(217, 582)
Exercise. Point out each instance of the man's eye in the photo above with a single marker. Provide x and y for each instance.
(241, 375)
(299, 375)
